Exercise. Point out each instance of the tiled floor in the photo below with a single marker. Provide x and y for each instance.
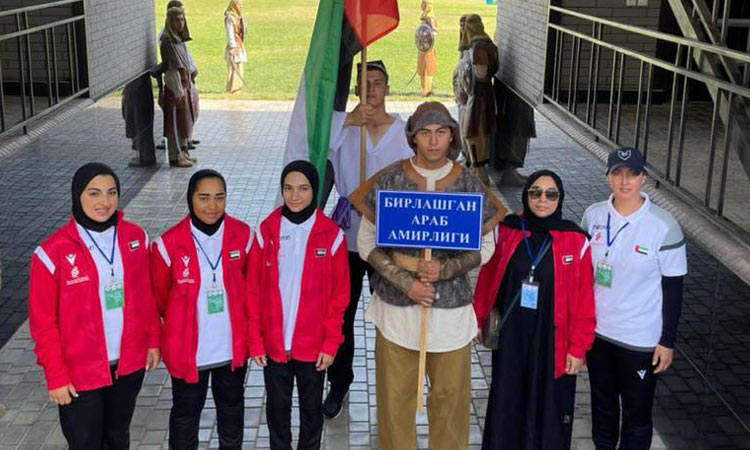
(244, 141)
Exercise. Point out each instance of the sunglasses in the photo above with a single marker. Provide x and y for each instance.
(535, 193)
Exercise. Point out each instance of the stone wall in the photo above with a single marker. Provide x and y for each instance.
(645, 16)
(521, 37)
(119, 45)
(121, 42)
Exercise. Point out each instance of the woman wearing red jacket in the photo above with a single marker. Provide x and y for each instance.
(198, 272)
(298, 290)
(540, 277)
(92, 314)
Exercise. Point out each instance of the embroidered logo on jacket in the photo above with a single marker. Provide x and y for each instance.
(234, 254)
(642, 373)
(71, 258)
(641, 249)
(75, 274)
(568, 259)
(320, 252)
(186, 261)
(134, 245)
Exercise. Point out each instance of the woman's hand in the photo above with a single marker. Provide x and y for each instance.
(152, 359)
(261, 361)
(572, 364)
(662, 358)
(478, 337)
(63, 395)
(323, 362)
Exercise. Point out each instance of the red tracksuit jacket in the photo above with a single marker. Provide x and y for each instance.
(574, 290)
(176, 287)
(65, 315)
(324, 294)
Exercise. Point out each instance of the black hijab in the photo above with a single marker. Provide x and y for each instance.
(309, 171)
(205, 228)
(81, 179)
(535, 224)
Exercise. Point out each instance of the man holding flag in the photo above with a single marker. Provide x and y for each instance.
(360, 143)
(405, 285)
(386, 143)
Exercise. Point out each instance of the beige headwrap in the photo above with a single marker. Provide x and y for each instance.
(169, 29)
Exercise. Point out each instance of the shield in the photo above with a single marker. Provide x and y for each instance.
(424, 37)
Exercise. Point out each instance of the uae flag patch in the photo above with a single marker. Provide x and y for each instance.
(320, 252)
(568, 259)
(234, 254)
(641, 249)
(134, 245)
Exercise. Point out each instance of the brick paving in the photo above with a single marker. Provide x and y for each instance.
(244, 141)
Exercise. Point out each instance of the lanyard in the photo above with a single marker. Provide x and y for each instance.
(533, 259)
(111, 259)
(215, 265)
(612, 241)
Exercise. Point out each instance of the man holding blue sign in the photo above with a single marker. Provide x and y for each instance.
(457, 224)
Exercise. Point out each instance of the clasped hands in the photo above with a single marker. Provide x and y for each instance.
(422, 291)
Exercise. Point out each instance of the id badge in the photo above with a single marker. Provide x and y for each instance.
(529, 294)
(113, 295)
(604, 274)
(215, 301)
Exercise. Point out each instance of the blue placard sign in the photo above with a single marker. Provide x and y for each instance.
(428, 220)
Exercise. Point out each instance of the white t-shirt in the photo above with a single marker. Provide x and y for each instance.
(649, 245)
(293, 241)
(292, 245)
(345, 143)
(214, 330)
(112, 319)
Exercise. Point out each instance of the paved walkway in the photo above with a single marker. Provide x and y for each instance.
(244, 141)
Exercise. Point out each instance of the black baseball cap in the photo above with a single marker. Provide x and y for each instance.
(626, 156)
(378, 65)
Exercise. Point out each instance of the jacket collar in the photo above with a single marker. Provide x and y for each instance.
(273, 223)
(72, 231)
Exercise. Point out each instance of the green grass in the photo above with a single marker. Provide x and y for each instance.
(279, 35)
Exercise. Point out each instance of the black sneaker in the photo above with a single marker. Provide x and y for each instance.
(333, 405)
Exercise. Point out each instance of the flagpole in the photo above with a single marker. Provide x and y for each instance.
(422, 346)
(363, 128)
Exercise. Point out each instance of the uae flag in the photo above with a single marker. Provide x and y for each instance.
(342, 28)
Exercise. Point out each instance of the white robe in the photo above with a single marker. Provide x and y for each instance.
(345, 157)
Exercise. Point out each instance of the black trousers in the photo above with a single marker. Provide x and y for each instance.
(621, 377)
(228, 388)
(279, 378)
(340, 373)
(100, 418)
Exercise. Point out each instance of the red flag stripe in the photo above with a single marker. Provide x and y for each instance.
(371, 19)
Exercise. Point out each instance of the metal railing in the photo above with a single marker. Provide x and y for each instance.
(56, 70)
(582, 93)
